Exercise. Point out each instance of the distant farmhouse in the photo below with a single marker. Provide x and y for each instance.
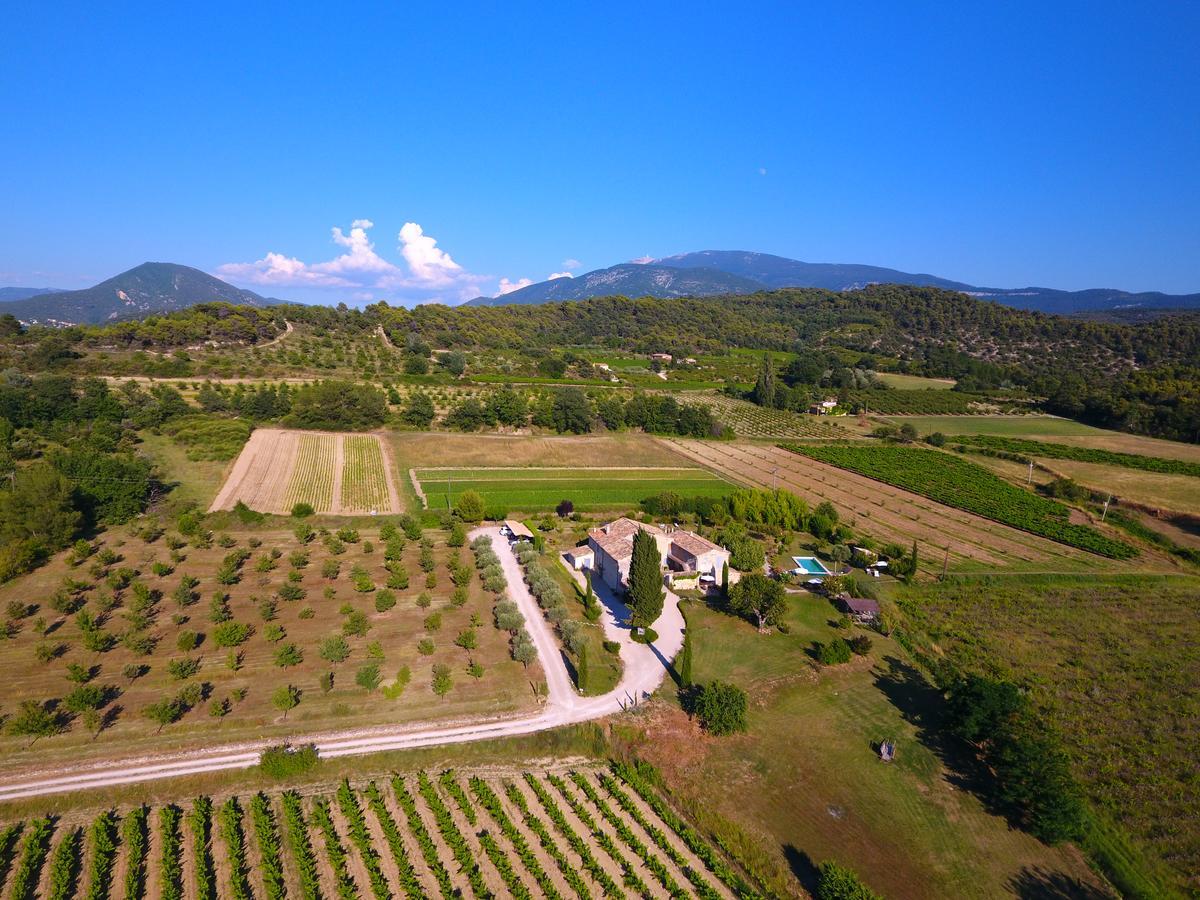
(610, 548)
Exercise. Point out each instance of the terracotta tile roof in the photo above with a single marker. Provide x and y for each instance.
(616, 538)
(692, 543)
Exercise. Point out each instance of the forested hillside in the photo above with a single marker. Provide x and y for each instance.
(1143, 377)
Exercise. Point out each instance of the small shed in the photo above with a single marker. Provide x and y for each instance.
(580, 558)
(516, 531)
(859, 608)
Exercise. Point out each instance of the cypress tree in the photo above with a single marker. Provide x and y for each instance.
(685, 660)
(645, 581)
(581, 669)
(764, 386)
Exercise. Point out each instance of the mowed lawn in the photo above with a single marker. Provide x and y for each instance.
(807, 784)
(531, 489)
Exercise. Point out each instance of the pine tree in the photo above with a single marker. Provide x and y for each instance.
(645, 581)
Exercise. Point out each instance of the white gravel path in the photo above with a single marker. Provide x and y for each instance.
(645, 668)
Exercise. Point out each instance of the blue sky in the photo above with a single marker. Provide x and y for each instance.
(1002, 144)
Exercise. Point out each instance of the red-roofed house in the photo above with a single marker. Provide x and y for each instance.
(680, 551)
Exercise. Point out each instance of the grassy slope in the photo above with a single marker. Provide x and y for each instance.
(807, 781)
(1114, 661)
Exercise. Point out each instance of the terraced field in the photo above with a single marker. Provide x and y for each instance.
(584, 833)
(751, 421)
(944, 535)
(340, 474)
(536, 489)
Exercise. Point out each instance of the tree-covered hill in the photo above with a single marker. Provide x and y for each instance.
(1142, 377)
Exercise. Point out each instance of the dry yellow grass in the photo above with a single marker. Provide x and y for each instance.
(423, 450)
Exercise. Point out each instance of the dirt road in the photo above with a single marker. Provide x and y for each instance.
(645, 668)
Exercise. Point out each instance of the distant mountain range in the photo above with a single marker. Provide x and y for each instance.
(23, 293)
(165, 287)
(145, 289)
(709, 272)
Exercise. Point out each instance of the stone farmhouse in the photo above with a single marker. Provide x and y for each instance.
(682, 552)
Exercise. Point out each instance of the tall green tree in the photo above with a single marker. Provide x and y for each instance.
(765, 388)
(758, 598)
(645, 581)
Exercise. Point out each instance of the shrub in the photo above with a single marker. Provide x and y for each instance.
(833, 653)
(231, 634)
(302, 510)
(839, 883)
(860, 645)
(368, 677)
(384, 601)
(334, 649)
(721, 707)
(285, 762)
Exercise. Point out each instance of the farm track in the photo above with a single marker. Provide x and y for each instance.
(645, 666)
(887, 513)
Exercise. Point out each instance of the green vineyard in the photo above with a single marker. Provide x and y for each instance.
(956, 482)
(751, 421)
(584, 834)
(1029, 448)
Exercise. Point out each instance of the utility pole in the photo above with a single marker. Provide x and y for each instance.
(774, 474)
(1105, 513)
(1029, 480)
(946, 563)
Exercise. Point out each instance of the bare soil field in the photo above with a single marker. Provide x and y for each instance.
(338, 474)
(426, 450)
(890, 514)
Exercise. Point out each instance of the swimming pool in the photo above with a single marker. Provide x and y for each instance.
(810, 565)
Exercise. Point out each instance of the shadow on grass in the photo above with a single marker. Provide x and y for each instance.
(1038, 884)
(803, 867)
(923, 706)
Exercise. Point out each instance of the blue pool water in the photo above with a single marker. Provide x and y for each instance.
(811, 565)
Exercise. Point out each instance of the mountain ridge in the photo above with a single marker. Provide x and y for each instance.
(708, 271)
(151, 287)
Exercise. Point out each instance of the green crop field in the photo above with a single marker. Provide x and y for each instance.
(364, 480)
(541, 489)
(312, 479)
(956, 482)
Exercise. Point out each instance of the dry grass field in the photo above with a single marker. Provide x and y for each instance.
(286, 592)
(426, 450)
(891, 514)
(340, 474)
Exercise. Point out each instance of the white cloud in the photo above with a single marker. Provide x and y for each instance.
(507, 287)
(554, 275)
(571, 264)
(643, 260)
(427, 268)
(762, 171)
(426, 261)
